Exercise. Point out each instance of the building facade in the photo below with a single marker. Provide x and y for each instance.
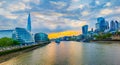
(6, 33)
(23, 36)
(116, 25)
(112, 26)
(107, 25)
(102, 25)
(85, 29)
(41, 37)
(29, 23)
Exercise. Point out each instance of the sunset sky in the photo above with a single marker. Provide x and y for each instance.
(51, 16)
(64, 33)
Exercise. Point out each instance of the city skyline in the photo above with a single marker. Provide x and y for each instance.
(59, 16)
(59, 32)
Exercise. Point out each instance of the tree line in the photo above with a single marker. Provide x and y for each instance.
(4, 42)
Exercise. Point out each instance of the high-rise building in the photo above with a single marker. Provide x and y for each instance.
(101, 24)
(85, 29)
(112, 26)
(29, 23)
(107, 25)
(97, 26)
(91, 29)
(119, 26)
(116, 25)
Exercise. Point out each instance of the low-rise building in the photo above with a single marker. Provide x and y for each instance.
(23, 36)
(41, 37)
(6, 33)
(115, 37)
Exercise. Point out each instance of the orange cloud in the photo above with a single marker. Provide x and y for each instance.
(64, 33)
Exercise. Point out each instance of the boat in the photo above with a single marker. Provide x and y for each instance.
(85, 40)
(57, 41)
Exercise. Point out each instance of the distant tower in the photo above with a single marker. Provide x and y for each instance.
(29, 23)
(85, 29)
(91, 29)
(112, 26)
(101, 24)
(116, 25)
(107, 25)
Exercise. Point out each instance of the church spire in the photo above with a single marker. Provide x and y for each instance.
(29, 23)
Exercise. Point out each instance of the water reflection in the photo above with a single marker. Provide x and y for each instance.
(58, 43)
(70, 53)
(75, 53)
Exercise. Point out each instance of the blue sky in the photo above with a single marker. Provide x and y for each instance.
(56, 15)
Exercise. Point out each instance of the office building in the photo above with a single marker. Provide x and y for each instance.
(85, 29)
(22, 35)
(116, 25)
(112, 26)
(6, 33)
(41, 37)
(101, 24)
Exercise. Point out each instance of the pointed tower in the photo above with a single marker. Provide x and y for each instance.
(29, 23)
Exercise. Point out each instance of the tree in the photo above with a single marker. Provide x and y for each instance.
(8, 42)
(103, 36)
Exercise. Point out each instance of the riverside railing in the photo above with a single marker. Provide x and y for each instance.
(19, 46)
(14, 47)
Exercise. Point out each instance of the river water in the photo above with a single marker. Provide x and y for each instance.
(70, 53)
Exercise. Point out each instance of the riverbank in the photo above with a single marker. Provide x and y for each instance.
(105, 40)
(6, 55)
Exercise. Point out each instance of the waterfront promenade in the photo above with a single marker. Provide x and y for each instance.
(19, 47)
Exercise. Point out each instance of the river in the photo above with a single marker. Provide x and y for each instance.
(70, 53)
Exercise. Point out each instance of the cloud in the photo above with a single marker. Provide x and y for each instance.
(56, 15)
(106, 11)
(85, 13)
(16, 7)
(59, 4)
(108, 4)
(75, 0)
(97, 2)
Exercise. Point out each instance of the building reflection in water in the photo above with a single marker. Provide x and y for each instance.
(75, 52)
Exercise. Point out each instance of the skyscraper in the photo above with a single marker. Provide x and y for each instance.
(116, 25)
(101, 24)
(85, 29)
(97, 26)
(29, 23)
(112, 26)
(107, 25)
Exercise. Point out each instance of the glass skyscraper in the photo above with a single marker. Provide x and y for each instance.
(112, 26)
(116, 25)
(102, 25)
(29, 23)
(85, 29)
